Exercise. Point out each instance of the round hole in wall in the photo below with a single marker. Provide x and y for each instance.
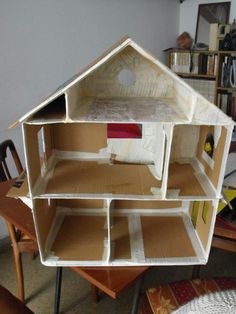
(126, 77)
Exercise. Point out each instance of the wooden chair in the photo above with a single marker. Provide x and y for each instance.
(19, 240)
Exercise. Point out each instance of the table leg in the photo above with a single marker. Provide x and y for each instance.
(95, 293)
(196, 271)
(136, 296)
(58, 290)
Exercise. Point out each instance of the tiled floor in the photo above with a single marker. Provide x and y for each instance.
(76, 297)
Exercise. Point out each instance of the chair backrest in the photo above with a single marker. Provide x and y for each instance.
(5, 147)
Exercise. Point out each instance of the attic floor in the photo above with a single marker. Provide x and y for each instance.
(128, 109)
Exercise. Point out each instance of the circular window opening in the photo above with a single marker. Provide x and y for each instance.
(126, 77)
(209, 145)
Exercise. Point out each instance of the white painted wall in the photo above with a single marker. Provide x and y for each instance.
(43, 43)
(189, 11)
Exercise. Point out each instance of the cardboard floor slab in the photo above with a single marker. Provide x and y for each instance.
(126, 109)
(74, 176)
(80, 238)
(182, 177)
(165, 237)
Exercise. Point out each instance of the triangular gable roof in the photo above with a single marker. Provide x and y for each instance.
(116, 48)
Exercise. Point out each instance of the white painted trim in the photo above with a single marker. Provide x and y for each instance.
(27, 160)
(169, 137)
(224, 159)
(208, 159)
(215, 204)
(136, 238)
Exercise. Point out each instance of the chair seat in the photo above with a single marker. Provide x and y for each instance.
(167, 298)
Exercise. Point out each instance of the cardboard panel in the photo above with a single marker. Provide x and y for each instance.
(133, 204)
(80, 137)
(203, 227)
(44, 216)
(80, 238)
(181, 176)
(80, 203)
(184, 97)
(53, 111)
(71, 176)
(184, 142)
(19, 188)
(213, 174)
(32, 151)
(120, 238)
(48, 141)
(165, 237)
(148, 78)
(205, 113)
(73, 98)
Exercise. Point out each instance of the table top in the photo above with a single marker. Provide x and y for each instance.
(111, 280)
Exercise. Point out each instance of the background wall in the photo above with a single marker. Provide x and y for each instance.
(189, 11)
(43, 43)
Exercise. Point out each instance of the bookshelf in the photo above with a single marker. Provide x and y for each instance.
(226, 83)
(194, 63)
(209, 73)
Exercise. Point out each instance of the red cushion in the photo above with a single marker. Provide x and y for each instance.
(123, 130)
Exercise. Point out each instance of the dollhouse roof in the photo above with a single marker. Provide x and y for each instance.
(176, 100)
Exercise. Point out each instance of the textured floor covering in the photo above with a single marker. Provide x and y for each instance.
(76, 297)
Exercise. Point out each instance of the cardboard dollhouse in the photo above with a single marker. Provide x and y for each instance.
(103, 198)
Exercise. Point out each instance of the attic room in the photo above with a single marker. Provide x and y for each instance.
(123, 157)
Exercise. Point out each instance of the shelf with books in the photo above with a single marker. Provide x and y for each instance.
(200, 76)
(212, 73)
(226, 101)
(227, 69)
(228, 89)
(202, 64)
(198, 68)
(226, 83)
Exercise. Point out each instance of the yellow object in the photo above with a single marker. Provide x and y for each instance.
(231, 194)
(208, 148)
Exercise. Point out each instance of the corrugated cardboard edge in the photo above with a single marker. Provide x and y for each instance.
(22, 190)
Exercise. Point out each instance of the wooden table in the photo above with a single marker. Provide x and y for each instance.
(16, 212)
(224, 236)
(110, 280)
